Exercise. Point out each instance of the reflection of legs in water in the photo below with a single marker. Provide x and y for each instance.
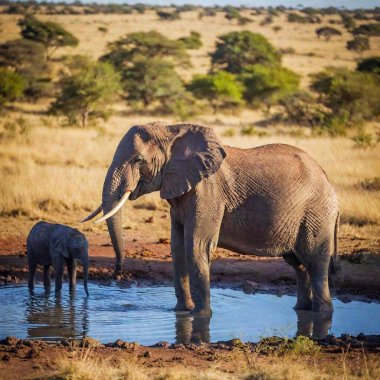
(314, 324)
(201, 330)
(190, 329)
(85, 317)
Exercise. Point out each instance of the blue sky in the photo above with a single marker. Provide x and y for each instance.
(258, 3)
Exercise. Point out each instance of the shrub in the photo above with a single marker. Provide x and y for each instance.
(302, 108)
(49, 34)
(327, 32)
(351, 93)
(221, 89)
(192, 42)
(236, 50)
(26, 58)
(370, 65)
(277, 28)
(103, 29)
(348, 22)
(11, 86)
(230, 132)
(18, 129)
(364, 140)
(268, 84)
(368, 29)
(309, 19)
(87, 90)
(168, 16)
(231, 13)
(359, 44)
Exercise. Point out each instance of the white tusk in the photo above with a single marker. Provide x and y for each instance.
(118, 206)
(93, 214)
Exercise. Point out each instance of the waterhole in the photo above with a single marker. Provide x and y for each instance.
(145, 315)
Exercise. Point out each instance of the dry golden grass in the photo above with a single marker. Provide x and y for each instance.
(91, 366)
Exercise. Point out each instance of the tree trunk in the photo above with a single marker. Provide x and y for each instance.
(85, 118)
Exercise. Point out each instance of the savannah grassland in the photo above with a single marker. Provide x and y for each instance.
(56, 173)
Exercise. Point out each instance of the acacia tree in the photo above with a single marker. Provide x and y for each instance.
(236, 50)
(327, 32)
(359, 44)
(86, 90)
(51, 35)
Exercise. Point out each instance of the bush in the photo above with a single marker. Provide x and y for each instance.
(352, 94)
(18, 129)
(368, 29)
(348, 22)
(49, 34)
(11, 86)
(86, 90)
(26, 58)
(359, 44)
(365, 140)
(302, 108)
(268, 84)
(309, 19)
(221, 89)
(168, 16)
(192, 42)
(327, 32)
(370, 65)
(236, 50)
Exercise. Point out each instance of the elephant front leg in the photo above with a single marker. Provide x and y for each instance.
(47, 282)
(59, 265)
(181, 275)
(72, 271)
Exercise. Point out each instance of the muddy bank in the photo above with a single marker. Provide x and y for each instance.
(150, 261)
(22, 358)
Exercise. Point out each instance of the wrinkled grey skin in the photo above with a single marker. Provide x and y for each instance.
(273, 200)
(58, 245)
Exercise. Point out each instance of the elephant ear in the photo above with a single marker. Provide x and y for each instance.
(196, 153)
(59, 245)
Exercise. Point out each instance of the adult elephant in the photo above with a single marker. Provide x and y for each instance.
(273, 200)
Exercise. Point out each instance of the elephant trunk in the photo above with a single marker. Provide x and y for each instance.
(110, 198)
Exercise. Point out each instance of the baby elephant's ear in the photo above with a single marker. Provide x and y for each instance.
(59, 245)
(196, 153)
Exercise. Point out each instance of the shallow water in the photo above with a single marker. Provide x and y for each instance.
(145, 315)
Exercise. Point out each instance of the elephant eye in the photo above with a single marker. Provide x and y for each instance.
(138, 159)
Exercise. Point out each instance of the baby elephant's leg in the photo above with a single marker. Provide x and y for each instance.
(47, 282)
(72, 271)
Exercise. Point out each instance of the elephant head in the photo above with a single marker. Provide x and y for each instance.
(68, 243)
(155, 157)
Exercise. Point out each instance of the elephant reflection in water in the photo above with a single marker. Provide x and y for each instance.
(195, 329)
(56, 317)
(191, 329)
(313, 324)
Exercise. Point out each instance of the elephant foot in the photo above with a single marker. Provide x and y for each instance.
(202, 312)
(186, 307)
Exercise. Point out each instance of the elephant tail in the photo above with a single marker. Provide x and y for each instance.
(336, 268)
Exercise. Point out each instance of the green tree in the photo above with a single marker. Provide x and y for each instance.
(193, 41)
(26, 58)
(359, 44)
(368, 29)
(353, 96)
(370, 65)
(221, 89)
(236, 50)
(268, 84)
(152, 80)
(86, 90)
(11, 86)
(145, 44)
(51, 35)
(168, 16)
(327, 32)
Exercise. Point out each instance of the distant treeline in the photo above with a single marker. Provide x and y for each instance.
(77, 7)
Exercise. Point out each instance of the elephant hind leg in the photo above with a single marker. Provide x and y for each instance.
(304, 293)
(32, 272)
(72, 271)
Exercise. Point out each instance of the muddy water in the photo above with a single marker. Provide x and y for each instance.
(144, 315)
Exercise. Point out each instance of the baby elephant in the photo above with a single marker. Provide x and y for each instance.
(55, 244)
